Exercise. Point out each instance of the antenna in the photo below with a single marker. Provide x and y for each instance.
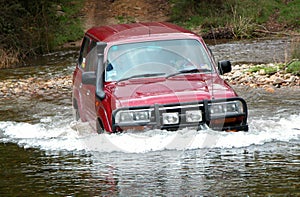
(211, 73)
(212, 85)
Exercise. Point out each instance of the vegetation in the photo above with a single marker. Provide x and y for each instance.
(39, 26)
(267, 69)
(8, 58)
(242, 18)
(292, 67)
(122, 19)
(36, 27)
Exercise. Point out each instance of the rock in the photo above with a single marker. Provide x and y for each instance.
(287, 76)
(17, 90)
(259, 78)
(277, 85)
(269, 89)
(40, 92)
(244, 66)
(278, 80)
(262, 72)
(66, 83)
(31, 79)
(291, 79)
(4, 89)
(49, 84)
(237, 74)
(253, 85)
(273, 77)
(271, 64)
(236, 67)
(243, 80)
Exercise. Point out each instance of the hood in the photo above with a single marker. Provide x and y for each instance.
(149, 91)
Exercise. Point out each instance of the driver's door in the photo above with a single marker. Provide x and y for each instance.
(88, 90)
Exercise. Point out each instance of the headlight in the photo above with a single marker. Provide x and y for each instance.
(193, 116)
(228, 108)
(170, 118)
(132, 116)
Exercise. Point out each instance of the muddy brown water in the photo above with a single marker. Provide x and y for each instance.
(41, 154)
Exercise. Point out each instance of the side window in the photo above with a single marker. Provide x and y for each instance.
(91, 58)
(83, 52)
(93, 44)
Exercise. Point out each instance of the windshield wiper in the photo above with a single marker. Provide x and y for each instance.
(141, 75)
(194, 70)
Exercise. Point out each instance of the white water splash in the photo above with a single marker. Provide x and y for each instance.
(66, 139)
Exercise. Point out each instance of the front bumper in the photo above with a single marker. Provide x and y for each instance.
(227, 122)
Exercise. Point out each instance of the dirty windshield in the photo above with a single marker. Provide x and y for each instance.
(155, 58)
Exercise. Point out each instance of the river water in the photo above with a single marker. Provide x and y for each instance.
(43, 152)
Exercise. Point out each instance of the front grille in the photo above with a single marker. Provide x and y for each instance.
(156, 114)
(157, 110)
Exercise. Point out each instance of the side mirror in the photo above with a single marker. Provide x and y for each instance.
(224, 67)
(89, 78)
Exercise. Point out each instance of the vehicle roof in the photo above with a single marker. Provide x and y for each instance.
(111, 33)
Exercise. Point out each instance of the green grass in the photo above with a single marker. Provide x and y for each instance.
(294, 67)
(242, 16)
(267, 69)
(70, 26)
(290, 13)
(122, 19)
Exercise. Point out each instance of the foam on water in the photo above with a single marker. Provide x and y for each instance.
(65, 138)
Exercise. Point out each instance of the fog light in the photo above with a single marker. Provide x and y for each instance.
(194, 116)
(170, 118)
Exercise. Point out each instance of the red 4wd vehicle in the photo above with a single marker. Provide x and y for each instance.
(152, 75)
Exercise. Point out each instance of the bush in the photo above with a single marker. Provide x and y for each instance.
(8, 58)
(290, 13)
(242, 27)
(37, 27)
(68, 23)
(242, 16)
(294, 67)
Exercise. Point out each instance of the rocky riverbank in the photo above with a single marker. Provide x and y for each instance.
(62, 86)
(242, 75)
(36, 87)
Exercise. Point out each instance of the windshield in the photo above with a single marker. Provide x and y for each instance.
(154, 58)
